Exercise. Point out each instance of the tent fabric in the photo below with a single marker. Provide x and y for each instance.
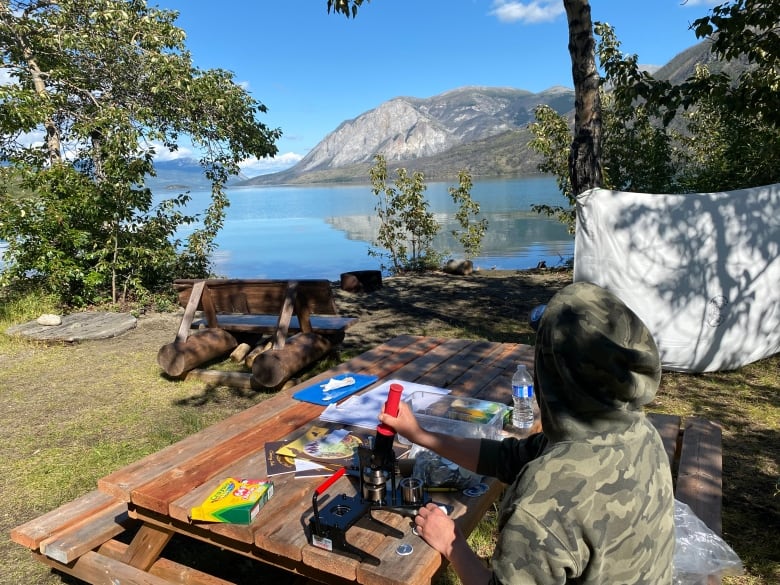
(701, 270)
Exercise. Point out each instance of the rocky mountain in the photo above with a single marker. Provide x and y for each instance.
(479, 128)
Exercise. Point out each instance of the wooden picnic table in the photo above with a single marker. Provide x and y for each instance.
(159, 490)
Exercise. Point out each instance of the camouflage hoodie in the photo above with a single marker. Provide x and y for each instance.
(591, 499)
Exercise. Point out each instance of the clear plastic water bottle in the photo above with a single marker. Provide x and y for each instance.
(523, 398)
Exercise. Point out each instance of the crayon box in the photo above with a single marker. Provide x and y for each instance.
(235, 500)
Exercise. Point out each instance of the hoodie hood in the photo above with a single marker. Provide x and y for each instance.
(596, 364)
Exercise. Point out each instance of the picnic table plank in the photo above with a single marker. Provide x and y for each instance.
(189, 311)
(699, 475)
(324, 324)
(668, 427)
(443, 368)
(94, 567)
(491, 380)
(147, 545)
(35, 531)
(170, 571)
(70, 543)
(282, 529)
(182, 478)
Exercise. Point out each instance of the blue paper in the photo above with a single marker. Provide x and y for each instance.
(316, 395)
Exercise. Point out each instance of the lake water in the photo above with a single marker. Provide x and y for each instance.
(322, 231)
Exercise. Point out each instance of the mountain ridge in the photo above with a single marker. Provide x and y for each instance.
(438, 136)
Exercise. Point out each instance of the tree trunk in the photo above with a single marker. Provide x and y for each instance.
(240, 353)
(264, 344)
(202, 346)
(585, 155)
(53, 145)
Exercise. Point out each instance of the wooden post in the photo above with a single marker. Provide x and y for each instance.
(239, 354)
(263, 345)
(178, 357)
(275, 366)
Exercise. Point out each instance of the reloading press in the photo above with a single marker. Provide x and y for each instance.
(377, 467)
(328, 527)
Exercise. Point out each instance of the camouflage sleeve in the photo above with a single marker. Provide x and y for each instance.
(504, 459)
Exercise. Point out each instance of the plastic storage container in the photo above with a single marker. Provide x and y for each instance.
(453, 415)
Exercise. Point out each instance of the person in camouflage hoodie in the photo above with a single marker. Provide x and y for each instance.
(590, 499)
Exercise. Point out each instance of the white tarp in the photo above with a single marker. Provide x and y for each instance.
(701, 270)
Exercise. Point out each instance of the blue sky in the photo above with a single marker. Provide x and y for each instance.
(314, 70)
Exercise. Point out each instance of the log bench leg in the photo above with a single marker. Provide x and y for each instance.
(272, 368)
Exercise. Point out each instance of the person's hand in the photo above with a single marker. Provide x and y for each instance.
(437, 529)
(405, 424)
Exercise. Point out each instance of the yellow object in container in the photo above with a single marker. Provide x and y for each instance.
(235, 500)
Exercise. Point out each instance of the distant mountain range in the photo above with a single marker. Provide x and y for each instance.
(481, 129)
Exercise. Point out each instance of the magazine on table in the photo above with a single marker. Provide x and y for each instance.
(328, 446)
(277, 464)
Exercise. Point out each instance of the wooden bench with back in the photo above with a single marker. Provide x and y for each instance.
(300, 316)
(262, 306)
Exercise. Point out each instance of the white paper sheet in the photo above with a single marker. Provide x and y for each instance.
(362, 410)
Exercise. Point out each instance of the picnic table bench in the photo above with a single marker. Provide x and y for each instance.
(151, 497)
(299, 315)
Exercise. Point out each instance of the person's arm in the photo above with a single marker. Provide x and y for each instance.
(461, 450)
(443, 535)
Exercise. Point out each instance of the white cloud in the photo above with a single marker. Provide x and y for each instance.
(253, 166)
(161, 153)
(527, 12)
(701, 2)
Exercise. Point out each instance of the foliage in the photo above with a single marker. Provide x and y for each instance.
(722, 150)
(637, 150)
(97, 86)
(710, 133)
(724, 138)
(406, 227)
(346, 7)
(750, 30)
(552, 139)
(472, 231)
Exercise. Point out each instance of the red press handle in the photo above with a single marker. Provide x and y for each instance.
(330, 481)
(391, 407)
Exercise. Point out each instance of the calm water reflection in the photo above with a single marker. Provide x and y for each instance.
(320, 232)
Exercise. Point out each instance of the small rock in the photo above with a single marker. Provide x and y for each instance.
(49, 319)
(461, 267)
